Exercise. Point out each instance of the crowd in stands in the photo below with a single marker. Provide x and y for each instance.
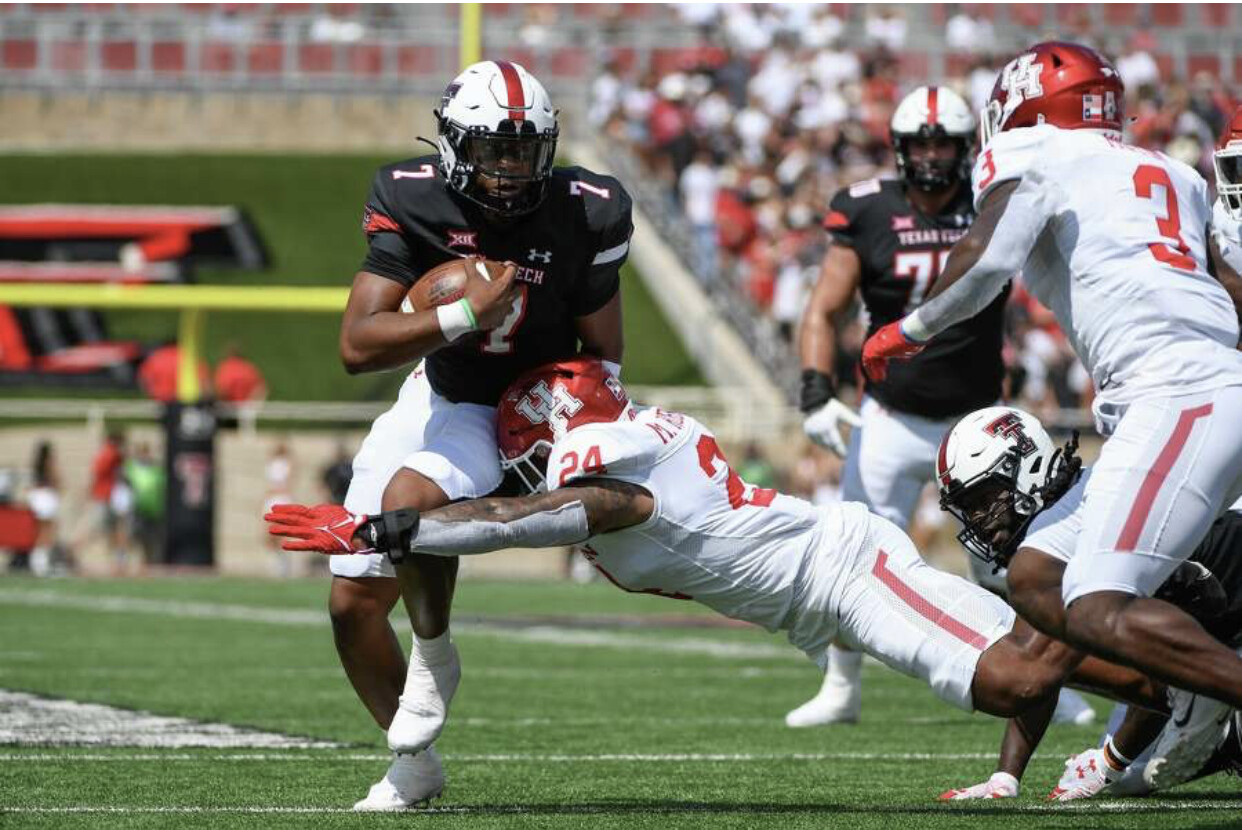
(777, 112)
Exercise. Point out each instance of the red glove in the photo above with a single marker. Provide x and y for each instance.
(889, 342)
(326, 528)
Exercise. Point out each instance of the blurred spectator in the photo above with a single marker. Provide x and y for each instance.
(145, 476)
(158, 374)
(1136, 66)
(279, 473)
(338, 473)
(335, 26)
(886, 26)
(48, 556)
(237, 380)
(699, 185)
(111, 501)
(967, 32)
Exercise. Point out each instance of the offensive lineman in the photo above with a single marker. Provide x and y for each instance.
(491, 190)
(889, 240)
(666, 515)
(1112, 239)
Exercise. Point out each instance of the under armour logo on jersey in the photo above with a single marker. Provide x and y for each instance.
(539, 256)
(551, 406)
(463, 239)
(1020, 77)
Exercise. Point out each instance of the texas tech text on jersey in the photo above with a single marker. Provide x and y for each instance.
(568, 251)
(902, 250)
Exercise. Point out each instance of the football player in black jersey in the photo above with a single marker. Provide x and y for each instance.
(490, 190)
(889, 240)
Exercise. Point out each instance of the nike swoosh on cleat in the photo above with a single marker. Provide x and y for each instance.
(1189, 711)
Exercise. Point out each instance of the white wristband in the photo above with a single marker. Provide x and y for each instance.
(912, 327)
(614, 369)
(455, 319)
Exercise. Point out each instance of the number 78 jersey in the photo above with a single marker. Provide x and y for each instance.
(712, 538)
(1121, 260)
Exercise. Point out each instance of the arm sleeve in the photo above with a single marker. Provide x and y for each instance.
(388, 252)
(563, 525)
(1029, 209)
(612, 247)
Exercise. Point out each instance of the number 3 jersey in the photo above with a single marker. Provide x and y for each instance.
(1121, 259)
(741, 550)
(902, 251)
(569, 253)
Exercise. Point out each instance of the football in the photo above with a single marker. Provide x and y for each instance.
(446, 283)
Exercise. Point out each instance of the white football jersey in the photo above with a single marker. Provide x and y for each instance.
(712, 538)
(1228, 233)
(1122, 260)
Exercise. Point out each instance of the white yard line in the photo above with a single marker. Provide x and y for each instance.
(555, 635)
(554, 758)
(1134, 806)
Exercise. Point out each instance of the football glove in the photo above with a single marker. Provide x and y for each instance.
(823, 425)
(324, 528)
(1000, 785)
(1086, 775)
(887, 343)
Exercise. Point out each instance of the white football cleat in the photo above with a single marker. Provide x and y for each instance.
(424, 705)
(837, 702)
(411, 782)
(1000, 785)
(1073, 708)
(1196, 727)
(1086, 775)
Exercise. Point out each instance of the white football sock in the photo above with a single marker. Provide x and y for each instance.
(433, 651)
(844, 666)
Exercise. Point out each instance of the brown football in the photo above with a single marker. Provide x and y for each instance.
(446, 283)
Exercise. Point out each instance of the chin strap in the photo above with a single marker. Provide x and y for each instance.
(391, 532)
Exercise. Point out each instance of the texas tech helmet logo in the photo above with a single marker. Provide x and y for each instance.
(554, 407)
(1010, 426)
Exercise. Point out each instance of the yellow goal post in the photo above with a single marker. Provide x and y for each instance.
(191, 301)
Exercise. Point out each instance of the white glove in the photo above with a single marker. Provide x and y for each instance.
(823, 426)
(1000, 785)
(1086, 774)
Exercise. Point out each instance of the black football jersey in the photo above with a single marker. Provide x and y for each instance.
(1221, 553)
(903, 251)
(569, 253)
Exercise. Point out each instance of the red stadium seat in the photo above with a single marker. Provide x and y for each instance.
(569, 62)
(366, 59)
(19, 54)
(1165, 64)
(1216, 15)
(956, 65)
(1166, 14)
(168, 57)
(69, 56)
(1121, 14)
(1027, 14)
(1208, 63)
(490, 10)
(1073, 14)
(218, 57)
(266, 58)
(418, 60)
(119, 55)
(987, 11)
(914, 64)
(316, 57)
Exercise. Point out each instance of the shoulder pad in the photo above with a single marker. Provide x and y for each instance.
(621, 449)
(605, 201)
(1010, 155)
(867, 187)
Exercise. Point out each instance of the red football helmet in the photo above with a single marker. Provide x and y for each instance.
(1228, 162)
(1063, 84)
(545, 403)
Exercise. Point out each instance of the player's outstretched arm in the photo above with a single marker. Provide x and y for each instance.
(584, 508)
